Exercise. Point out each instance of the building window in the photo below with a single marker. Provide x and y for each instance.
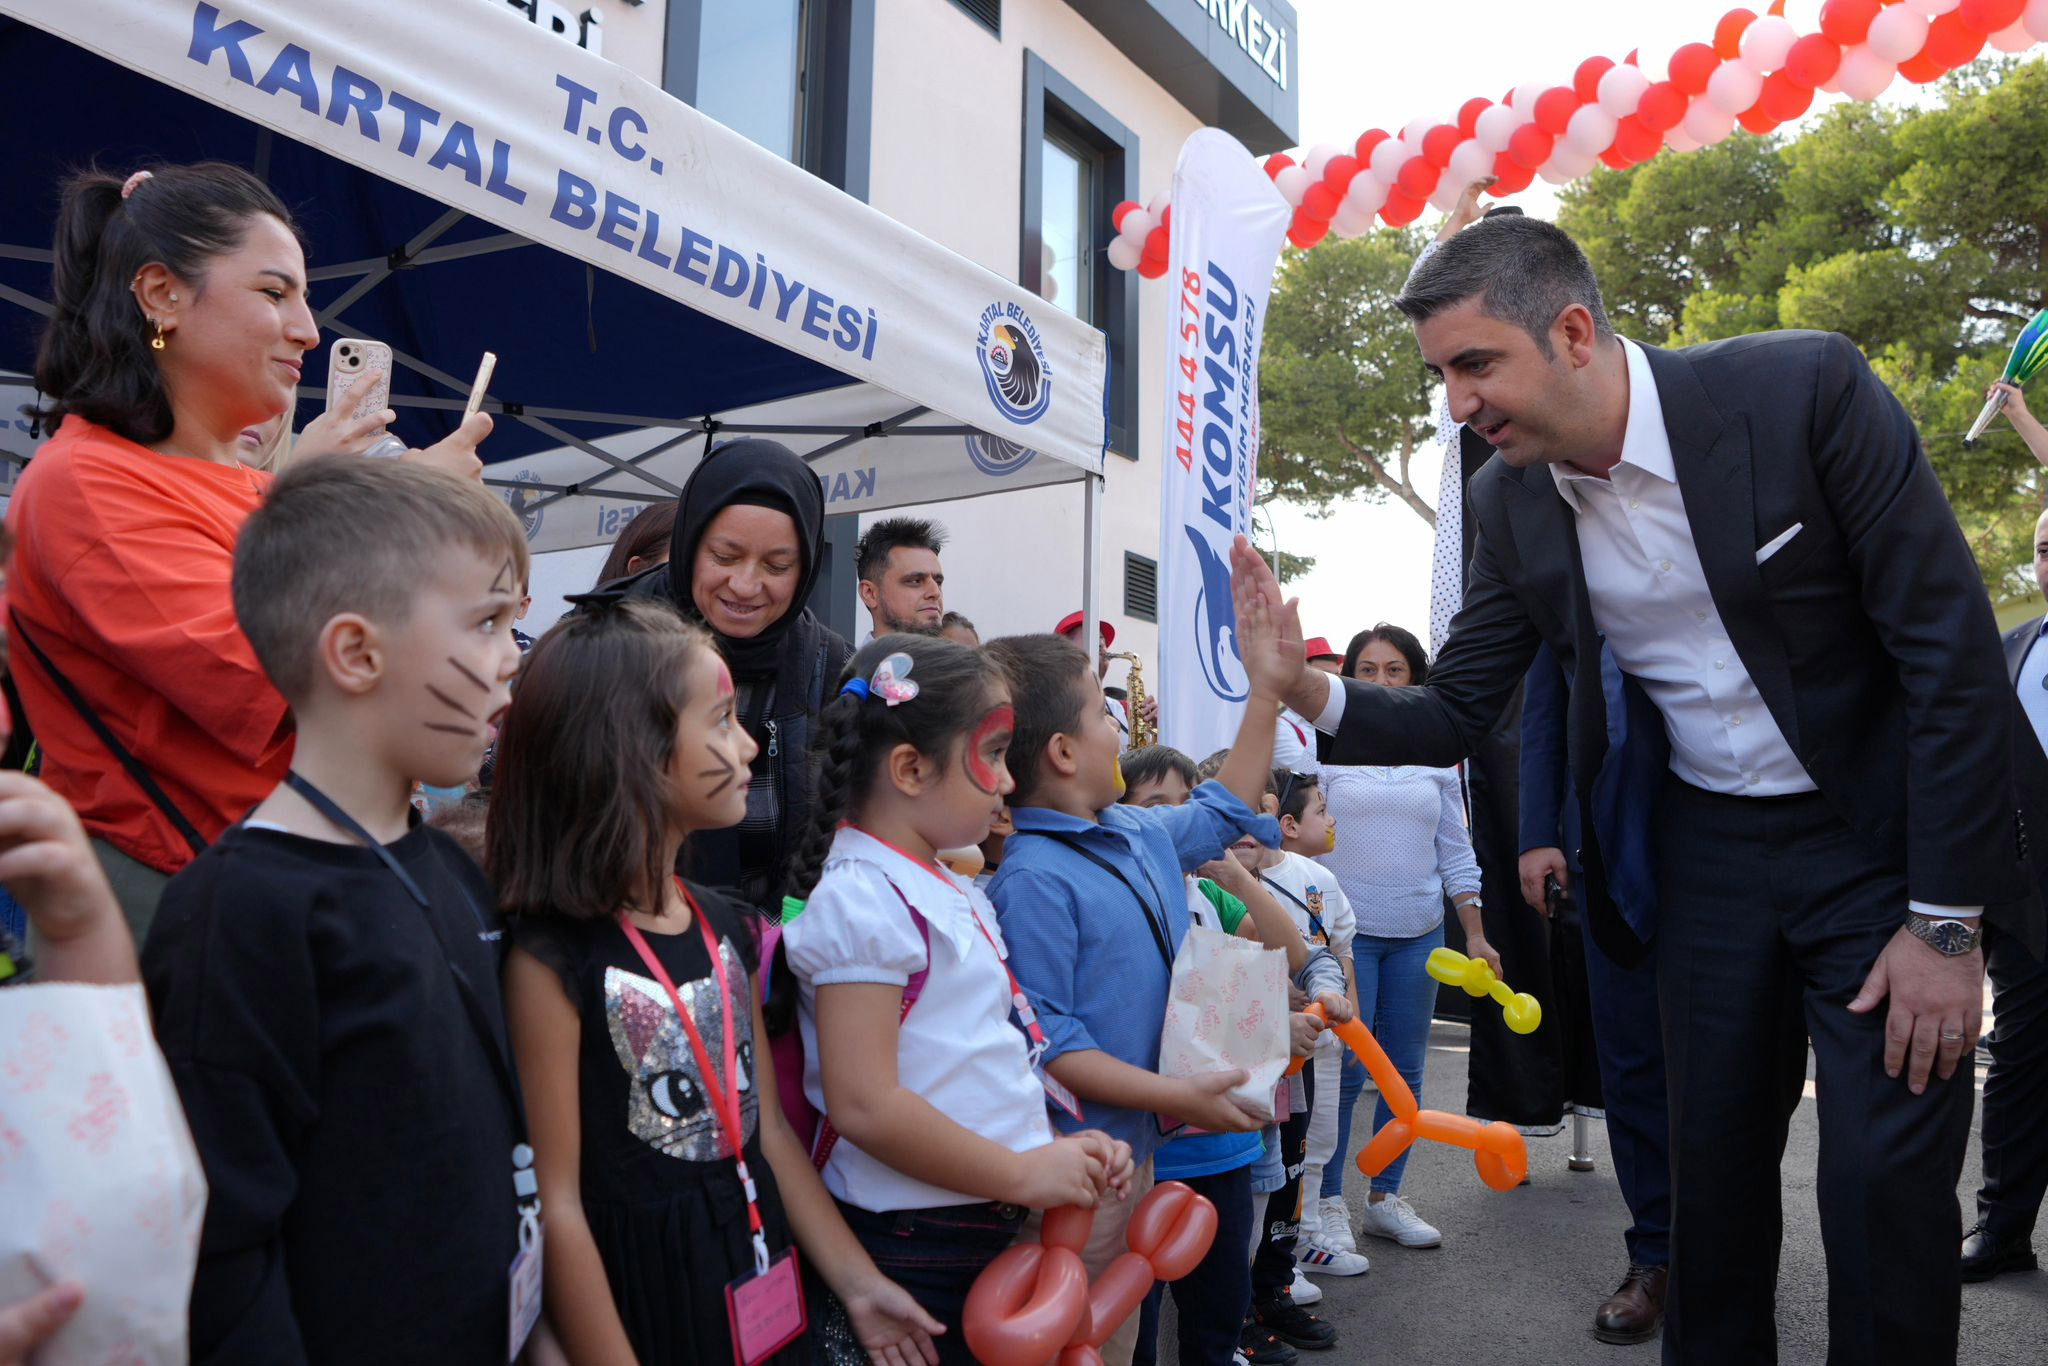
(1141, 587)
(1078, 163)
(750, 68)
(987, 13)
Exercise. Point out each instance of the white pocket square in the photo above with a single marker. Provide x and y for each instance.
(1778, 542)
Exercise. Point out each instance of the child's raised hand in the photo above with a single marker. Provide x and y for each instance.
(1115, 1156)
(1227, 873)
(1207, 1103)
(891, 1326)
(1066, 1171)
(1269, 637)
(1336, 1005)
(1304, 1030)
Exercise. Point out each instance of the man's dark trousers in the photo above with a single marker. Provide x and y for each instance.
(1772, 910)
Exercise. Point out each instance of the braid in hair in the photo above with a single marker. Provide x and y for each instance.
(836, 758)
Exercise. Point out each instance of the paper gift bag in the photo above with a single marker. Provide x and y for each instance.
(1227, 1009)
(98, 1176)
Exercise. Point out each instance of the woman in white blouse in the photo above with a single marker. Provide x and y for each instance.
(1402, 846)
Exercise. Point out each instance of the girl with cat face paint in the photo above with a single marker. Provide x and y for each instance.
(921, 1050)
(677, 1195)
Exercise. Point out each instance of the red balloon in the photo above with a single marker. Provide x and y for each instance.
(1509, 177)
(1636, 141)
(1728, 33)
(1469, 112)
(1757, 121)
(1277, 163)
(1151, 268)
(1922, 69)
(1662, 107)
(1172, 1232)
(1691, 65)
(1320, 203)
(1026, 1305)
(1848, 21)
(1307, 231)
(1116, 215)
(1369, 139)
(1554, 109)
(1166, 218)
(1400, 209)
(1613, 160)
(1530, 146)
(1952, 42)
(1337, 174)
(1438, 144)
(1990, 16)
(1156, 242)
(1586, 80)
(1417, 178)
(1813, 60)
(1784, 99)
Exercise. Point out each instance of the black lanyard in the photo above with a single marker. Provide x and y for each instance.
(1315, 922)
(479, 1018)
(1158, 925)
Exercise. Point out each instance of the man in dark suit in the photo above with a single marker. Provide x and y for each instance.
(1752, 530)
(1623, 999)
(2015, 1128)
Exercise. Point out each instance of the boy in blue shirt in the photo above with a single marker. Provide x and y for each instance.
(1094, 907)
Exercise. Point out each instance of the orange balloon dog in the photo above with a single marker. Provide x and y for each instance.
(1034, 1301)
(1497, 1150)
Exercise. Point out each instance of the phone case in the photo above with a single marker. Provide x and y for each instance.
(358, 377)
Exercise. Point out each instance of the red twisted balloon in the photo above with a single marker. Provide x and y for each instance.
(1034, 1301)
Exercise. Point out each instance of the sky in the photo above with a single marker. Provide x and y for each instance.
(1367, 65)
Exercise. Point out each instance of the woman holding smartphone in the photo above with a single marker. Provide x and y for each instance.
(180, 320)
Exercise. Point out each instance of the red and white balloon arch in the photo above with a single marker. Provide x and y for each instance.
(1758, 72)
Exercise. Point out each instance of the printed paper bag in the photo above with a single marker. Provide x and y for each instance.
(98, 1176)
(1227, 1009)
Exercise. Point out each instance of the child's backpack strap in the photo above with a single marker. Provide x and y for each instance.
(828, 1137)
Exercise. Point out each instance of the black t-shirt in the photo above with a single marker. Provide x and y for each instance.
(356, 1136)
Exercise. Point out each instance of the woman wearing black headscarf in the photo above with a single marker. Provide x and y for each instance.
(743, 559)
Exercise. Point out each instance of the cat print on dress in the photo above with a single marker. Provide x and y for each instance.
(669, 1108)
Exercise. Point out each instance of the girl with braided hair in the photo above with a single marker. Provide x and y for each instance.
(935, 1139)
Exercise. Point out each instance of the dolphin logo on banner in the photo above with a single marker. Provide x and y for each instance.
(1215, 631)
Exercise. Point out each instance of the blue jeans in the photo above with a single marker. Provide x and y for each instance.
(1396, 997)
(936, 1254)
(1350, 1081)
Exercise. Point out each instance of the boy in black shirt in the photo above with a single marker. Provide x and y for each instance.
(325, 978)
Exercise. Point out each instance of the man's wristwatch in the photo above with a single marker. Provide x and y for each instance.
(1950, 938)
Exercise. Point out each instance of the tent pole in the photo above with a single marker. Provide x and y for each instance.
(1091, 554)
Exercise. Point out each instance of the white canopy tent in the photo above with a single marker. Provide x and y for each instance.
(650, 279)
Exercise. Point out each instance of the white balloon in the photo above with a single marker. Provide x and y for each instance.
(1157, 204)
(1864, 75)
(1833, 84)
(1565, 166)
(1765, 43)
(1705, 122)
(1122, 254)
(1049, 288)
(1350, 221)
(1523, 98)
(1591, 130)
(1367, 193)
(1469, 162)
(1138, 223)
(1897, 33)
(1495, 126)
(1293, 183)
(1621, 90)
(1318, 157)
(1444, 197)
(2013, 39)
(1929, 9)
(1654, 60)
(1415, 130)
(1679, 141)
(1388, 158)
(2035, 20)
(1734, 87)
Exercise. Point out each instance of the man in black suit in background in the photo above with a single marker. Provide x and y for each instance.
(1751, 528)
(2015, 1129)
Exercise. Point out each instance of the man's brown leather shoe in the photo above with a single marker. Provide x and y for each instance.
(1635, 1311)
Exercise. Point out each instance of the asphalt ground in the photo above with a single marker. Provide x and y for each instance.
(1520, 1273)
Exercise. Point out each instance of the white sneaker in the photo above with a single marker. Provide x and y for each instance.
(1329, 1261)
(1335, 1228)
(1396, 1219)
(1304, 1290)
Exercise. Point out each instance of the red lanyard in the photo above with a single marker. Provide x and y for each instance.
(722, 1087)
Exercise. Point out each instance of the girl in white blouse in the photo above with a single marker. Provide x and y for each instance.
(1402, 848)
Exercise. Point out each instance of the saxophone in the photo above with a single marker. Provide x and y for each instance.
(1134, 687)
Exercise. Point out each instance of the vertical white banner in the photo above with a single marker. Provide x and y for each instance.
(1228, 224)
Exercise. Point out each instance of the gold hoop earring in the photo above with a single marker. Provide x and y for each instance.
(156, 340)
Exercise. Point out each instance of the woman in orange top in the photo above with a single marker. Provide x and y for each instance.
(180, 319)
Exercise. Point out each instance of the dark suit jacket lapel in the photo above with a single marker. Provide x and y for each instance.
(1715, 479)
(1547, 546)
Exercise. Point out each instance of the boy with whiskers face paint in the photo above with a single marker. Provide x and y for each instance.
(325, 976)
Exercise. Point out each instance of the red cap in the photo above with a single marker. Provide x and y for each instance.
(1318, 647)
(1071, 623)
